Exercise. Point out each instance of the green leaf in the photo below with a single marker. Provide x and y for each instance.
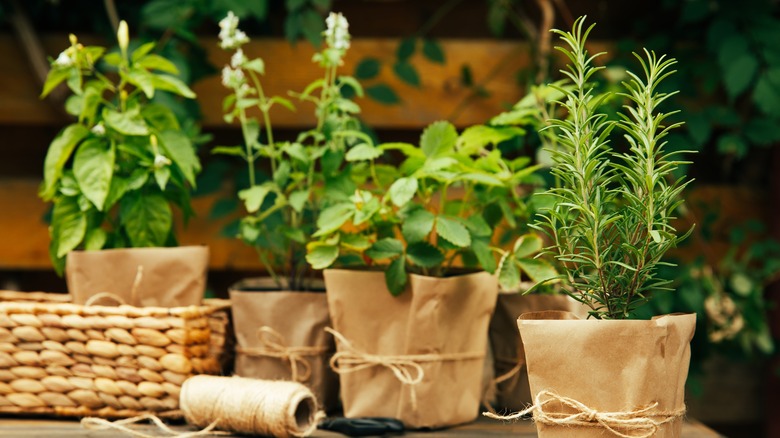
(481, 248)
(55, 77)
(418, 225)
(160, 117)
(527, 245)
(385, 248)
(312, 26)
(298, 199)
(508, 274)
(182, 153)
(406, 49)
(162, 175)
(58, 154)
(237, 151)
(222, 207)
(172, 84)
(254, 196)
(95, 239)
(363, 152)
(93, 167)
(732, 144)
(395, 276)
(367, 68)
(407, 149)
(147, 219)
(157, 62)
(438, 139)
(424, 254)
(256, 65)
(537, 270)
(738, 74)
(382, 93)
(766, 94)
(433, 51)
(407, 73)
(476, 138)
(128, 123)
(402, 191)
(322, 255)
(355, 242)
(333, 217)
(69, 224)
(453, 231)
(141, 79)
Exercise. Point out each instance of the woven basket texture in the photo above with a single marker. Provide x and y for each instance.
(63, 359)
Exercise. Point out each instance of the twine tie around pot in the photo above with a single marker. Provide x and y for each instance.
(405, 367)
(639, 423)
(272, 344)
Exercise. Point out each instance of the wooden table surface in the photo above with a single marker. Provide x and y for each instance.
(483, 427)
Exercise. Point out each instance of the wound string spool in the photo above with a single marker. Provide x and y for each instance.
(249, 406)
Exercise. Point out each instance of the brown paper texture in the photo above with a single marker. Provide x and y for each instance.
(300, 318)
(171, 277)
(514, 394)
(609, 365)
(432, 316)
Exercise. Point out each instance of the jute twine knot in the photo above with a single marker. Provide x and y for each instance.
(639, 423)
(406, 368)
(273, 345)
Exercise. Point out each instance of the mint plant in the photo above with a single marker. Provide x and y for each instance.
(436, 212)
(115, 173)
(283, 206)
(611, 222)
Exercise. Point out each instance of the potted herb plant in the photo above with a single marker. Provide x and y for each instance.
(411, 309)
(610, 225)
(115, 173)
(279, 320)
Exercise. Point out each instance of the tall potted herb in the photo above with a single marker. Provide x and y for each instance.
(610, 225)
(114, 175)
(280, 319)
(410, 310)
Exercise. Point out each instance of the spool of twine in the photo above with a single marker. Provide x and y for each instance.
(249, 406)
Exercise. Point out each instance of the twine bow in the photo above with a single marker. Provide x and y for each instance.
(639, 423)
(406, 368)
(272, 344)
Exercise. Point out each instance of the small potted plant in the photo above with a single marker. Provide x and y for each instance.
(411, 308)
(279, 320)
(610, 225)
(115, 173)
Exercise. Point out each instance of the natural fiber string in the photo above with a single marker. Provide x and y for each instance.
(273, 345)
(639, 423)
(94, 423)
(504, 377)
(139, 275)
(250, 406)
(406, 368)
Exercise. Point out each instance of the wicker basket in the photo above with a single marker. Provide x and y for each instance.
(63, 359)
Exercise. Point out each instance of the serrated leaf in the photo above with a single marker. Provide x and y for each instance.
(433, 51)
(418, 225)
(402, 191)
(320, 256)
(424, 254)
(527, 245)
(146, 219)
(58, 154)
(395, 276)
(453, 231)
(298, 200)
(367, 68)
(407, 73)
(484, 255)
(385, 248)
(537, 270)
(333, 217)
(382, 93)
(438, 139)
(69, 224)
(363, 152)
(254, 196)
(355, 242)
(508, 274)
(407, 149)
(93, 166)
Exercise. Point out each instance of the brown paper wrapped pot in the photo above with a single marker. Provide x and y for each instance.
(272, 323)
(432, 317)
(608, 365)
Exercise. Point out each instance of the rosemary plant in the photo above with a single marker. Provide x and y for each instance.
(611, 222)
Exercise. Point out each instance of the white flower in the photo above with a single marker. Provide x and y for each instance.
(64, 60)
(99, 129)
(160, 161)
(122, 36)
(230, 37)
(238, 59)
(337, 32)
(232, 78)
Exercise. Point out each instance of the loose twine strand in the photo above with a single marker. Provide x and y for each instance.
(273, 345)
(406, 368)
(519, 364)
(639, 423)
(139, 275)
(94, 423)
